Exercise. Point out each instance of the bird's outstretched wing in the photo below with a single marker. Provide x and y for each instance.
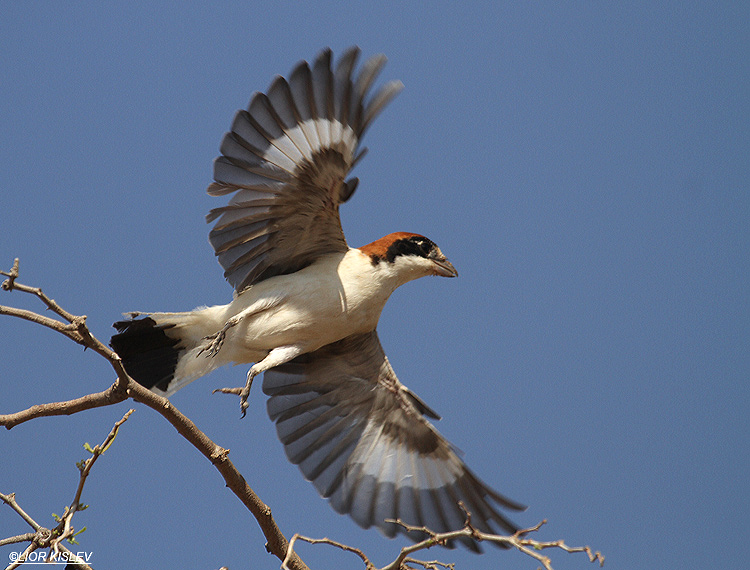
(286, 160)
(360, 436)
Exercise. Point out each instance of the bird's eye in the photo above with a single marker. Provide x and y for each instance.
(425, 247)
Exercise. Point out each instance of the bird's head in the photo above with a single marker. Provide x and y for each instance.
(409, 255)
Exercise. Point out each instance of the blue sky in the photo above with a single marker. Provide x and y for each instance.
(584, 166)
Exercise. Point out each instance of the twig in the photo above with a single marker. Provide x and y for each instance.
(403, 561)
(16, 539)
(75, 328)
(290, 550)
(112, 395)
(528, 546)
(23, 556)
(11, 285)
(429, 564)
(10, 500)
(67, 530)
(52, 538)
(11, 276)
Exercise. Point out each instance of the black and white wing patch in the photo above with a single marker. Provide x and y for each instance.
(286, 159)
(360, 436)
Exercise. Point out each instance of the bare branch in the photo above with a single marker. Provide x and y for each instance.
(66, 329)
(290, 551)
(112, 395)
(11, 275)
(429, 564)
(16, 539)
(528, 546)
(11, 285)
(10, 500)
(75, 328)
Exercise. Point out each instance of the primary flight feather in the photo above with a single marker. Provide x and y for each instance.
(306, 308)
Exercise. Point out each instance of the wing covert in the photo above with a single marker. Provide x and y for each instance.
(360, 436)
(286, 159)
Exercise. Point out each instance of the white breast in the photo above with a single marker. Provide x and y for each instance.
(337, 296)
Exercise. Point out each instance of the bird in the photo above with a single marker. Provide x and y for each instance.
(306, 306)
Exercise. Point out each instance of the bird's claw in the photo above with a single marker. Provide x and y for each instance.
(245, 392)
(214, 345)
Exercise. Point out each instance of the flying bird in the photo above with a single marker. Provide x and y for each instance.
(306, 307)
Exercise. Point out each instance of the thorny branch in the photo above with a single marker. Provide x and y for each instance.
(124, 387)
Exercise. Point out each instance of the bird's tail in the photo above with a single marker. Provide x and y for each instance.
(164, 351)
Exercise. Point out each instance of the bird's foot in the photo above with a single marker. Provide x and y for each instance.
(243, 392)
(214, 343)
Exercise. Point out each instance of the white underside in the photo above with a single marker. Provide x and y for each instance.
(338, 296)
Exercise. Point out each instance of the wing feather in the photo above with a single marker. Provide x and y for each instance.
(261, 111)
(369, 72)
(281, 104)
(361, 437)
(294, 147)
(262, 143)
(322, 90)
(300, 85)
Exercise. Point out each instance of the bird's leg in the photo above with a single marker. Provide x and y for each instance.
(276, 357)
(212, 347)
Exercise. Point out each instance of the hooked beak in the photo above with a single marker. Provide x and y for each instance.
(444, 268)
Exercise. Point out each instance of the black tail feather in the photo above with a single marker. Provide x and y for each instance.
(148, 354)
